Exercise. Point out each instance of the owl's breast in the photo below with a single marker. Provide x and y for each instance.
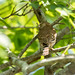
(46, 36)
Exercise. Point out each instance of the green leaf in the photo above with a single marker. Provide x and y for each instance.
(45, 1)
(53, 6)
(61, 11)
(71, 22)
(51, 1)
(4, 22)
(4, 41)
(50, 13)
(39, 72)
(35, 4)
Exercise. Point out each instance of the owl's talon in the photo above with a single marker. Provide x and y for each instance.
(45, 51)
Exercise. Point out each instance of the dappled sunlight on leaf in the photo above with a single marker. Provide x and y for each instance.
(62, 12)
(4, 41)
(50, 13)
(70, 20)
(73, 5)
(20, 73)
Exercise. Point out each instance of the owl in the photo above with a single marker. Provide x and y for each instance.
(47, 37)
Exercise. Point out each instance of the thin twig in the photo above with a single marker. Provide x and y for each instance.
(5, 23)
(5, 27)
(63, 48)
(66, 50)
(57, 21)
(13, 9)
(16, 11)
(25, 9)
(24, 14)
(20, 8)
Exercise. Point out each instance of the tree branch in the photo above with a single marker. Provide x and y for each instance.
(39, 13)
(5, 23)
(37, 55)
(5, 65)
(11, 71)
(62, 33)
(50, 61)
(69, 70)
(57, 21)
(5, 27)
(15, 13)
(63, 48)
(21, 53)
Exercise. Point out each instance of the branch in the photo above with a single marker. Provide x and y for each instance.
(11, 71)
(3, 66)
(5, 23)
(21, 8)
(62, 33)
(63, 48)
(21, 64)
(21, 53)
(57, 21)
(69, 70)
(23, 14)
(15, 13)
(33, 57)
(28, 59)
(38, 54)
(58, 65)
(39, 13)
(5, 27)
(17, 62)
(50, 61)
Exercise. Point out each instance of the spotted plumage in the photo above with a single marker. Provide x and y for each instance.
(46, 37)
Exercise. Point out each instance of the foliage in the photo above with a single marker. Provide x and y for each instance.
(17, 30)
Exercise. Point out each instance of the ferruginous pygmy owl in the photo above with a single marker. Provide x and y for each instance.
(47, 37)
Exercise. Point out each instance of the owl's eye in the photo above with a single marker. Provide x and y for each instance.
(45, 45)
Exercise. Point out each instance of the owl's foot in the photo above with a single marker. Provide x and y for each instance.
(55, 53)
(45, 51)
